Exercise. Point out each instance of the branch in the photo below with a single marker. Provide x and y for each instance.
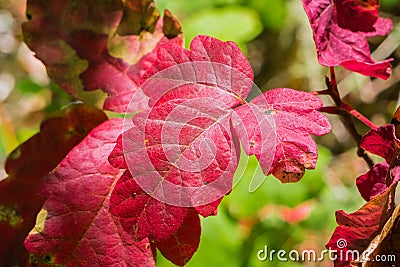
(346, 112)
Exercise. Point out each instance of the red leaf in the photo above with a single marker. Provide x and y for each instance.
(356, 230)
(117, 158)
(218, 69)
(382, 142)
(383, 245)
(373, 182)
(187, 144)
(27, 165)
(78, 229)
(340, 30)
(140, 214)
(182, 153)
(357, 15)
(180, 247)
(79, 38)
(283, 118)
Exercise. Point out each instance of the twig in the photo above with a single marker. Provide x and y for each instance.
(346, 112)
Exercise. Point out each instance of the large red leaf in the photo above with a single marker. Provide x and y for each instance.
(340, 29)
(276, 127)
(27, 165)
(182, 153)
(79, 38)
(184, 143)
(75, 227)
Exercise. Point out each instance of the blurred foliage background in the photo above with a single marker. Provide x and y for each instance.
(277, 39)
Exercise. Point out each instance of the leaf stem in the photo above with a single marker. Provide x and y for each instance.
(346, 112)
(322, 92)
(358, 115)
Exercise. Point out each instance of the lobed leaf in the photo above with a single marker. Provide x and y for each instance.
(280, 122)
(183, 144)
(27, 166)
(356, 230)
(185, 151)
(340, 29)
(363, 229)
(174, 230)
(79, 38)
(384, 245)
(75, 227)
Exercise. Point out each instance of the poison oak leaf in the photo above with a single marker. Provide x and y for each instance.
(116, 157)
(373, 182)
(180, 247)
(281, 121)
(385, 245)
(382, 142)
(359, 15)
(378, 187)
(141, 215)
(182, 152)
(79, 38)
(175, 230)
(356, 230)
(340, 29)
(75, 227)
(211, 68)
(27, 166)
